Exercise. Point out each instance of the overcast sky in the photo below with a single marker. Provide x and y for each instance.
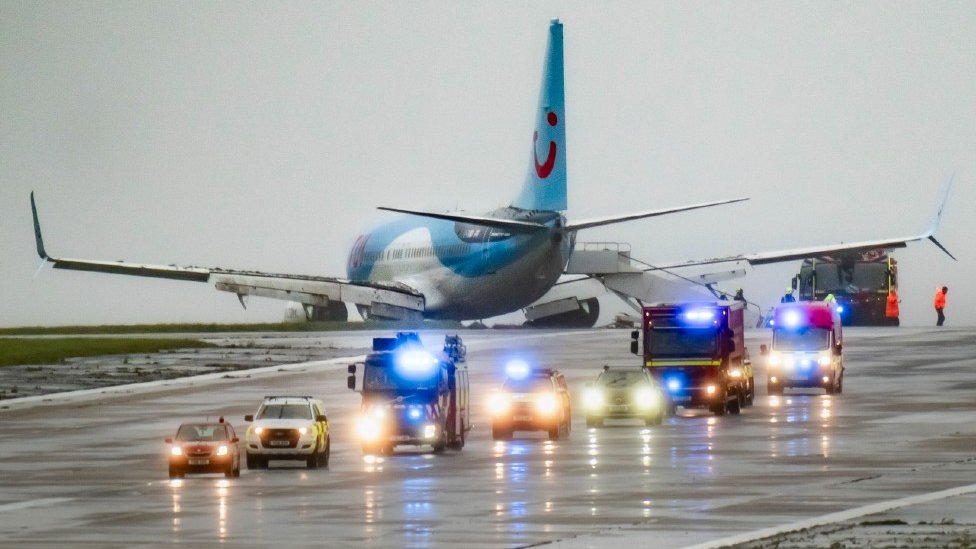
(262, 135)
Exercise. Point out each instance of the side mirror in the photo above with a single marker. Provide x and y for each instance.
(249, 417)
(322, 418)
(635, 335)
(168, 440)
(351, 369)
(351, 381)
(633, 347)
(763, 350)
(235, 440)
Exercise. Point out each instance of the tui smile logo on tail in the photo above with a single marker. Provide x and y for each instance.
(543, 170)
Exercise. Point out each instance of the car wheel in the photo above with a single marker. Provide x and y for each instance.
(840, 384)
(173, 473)
(251, 461)
(752, 393)
(229, 473)
(554, 432)
(656, 419)
(312, 461)
(594, 421)
(735, 405)
(328, 452)
(497, 433)
(774, 390)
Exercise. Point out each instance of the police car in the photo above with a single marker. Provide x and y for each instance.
(288, 428)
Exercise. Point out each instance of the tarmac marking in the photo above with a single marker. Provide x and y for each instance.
(32, 503)
(840, 516)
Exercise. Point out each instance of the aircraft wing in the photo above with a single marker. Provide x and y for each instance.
(764, 258)
(609, 220)
(311, 290)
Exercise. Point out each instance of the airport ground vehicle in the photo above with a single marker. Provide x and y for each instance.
(624, 394)
(859, 281)
(696, 351)
(411, 396)
(288, 428)
(806, 349)
(531, 399)
(204, 447)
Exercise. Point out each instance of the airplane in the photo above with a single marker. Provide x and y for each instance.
(454, 265)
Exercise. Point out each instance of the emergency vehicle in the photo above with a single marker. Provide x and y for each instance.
(531, 399)
(412, 396)
(696, 352)
(859, 281)
(288, 428)
(806, 348)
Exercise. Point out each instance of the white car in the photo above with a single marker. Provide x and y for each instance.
(288, 428)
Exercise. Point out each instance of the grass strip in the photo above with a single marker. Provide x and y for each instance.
(325, 326)
(54, 351)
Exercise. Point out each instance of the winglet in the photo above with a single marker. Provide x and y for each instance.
(37, 230)
(930, 234)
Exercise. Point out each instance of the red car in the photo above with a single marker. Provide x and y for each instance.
(204, 448)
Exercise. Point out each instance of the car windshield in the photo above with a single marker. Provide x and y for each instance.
(619, 379)
(201, 433)
(285, 411)
(527, 385)
(804, 339)
(682, 342)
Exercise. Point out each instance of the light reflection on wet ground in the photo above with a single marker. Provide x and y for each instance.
(694, 477)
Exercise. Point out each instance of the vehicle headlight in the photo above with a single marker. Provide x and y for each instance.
(593, 398)
(176, 451)
(646, 398)
(368, 428)
(735, 372)
(775, 359)
(824, 360)
(498, 403)
(378, 412)
(430, 431)
(788, 361)
(710, 389)
(302, 430)
(222, 450)
(258, 430)
(546, 403)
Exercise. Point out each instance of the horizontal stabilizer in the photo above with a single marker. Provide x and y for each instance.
(609, 220)
(510, 224)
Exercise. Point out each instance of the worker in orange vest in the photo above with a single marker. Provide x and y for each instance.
(940, 295)
(891, 308)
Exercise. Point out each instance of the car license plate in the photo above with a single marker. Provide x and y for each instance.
(199, 461)
(681, 399)
(619, 408)
(400, 437)
(279, 443)
(523, 418)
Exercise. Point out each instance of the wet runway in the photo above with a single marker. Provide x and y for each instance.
(93, 473)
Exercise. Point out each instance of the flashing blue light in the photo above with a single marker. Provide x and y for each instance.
(840, 308)
(700, 315)
(414, 413)
(791, 318)
(416, 361)
(517, 369)
(805, 363)
(673, 385)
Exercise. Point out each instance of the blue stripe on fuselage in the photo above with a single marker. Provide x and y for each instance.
(462, 256)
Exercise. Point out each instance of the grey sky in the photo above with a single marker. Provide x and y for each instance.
(263, 135)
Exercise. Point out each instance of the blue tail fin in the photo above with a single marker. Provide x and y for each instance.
(545, 185)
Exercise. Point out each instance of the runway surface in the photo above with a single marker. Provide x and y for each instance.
(92, 471)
